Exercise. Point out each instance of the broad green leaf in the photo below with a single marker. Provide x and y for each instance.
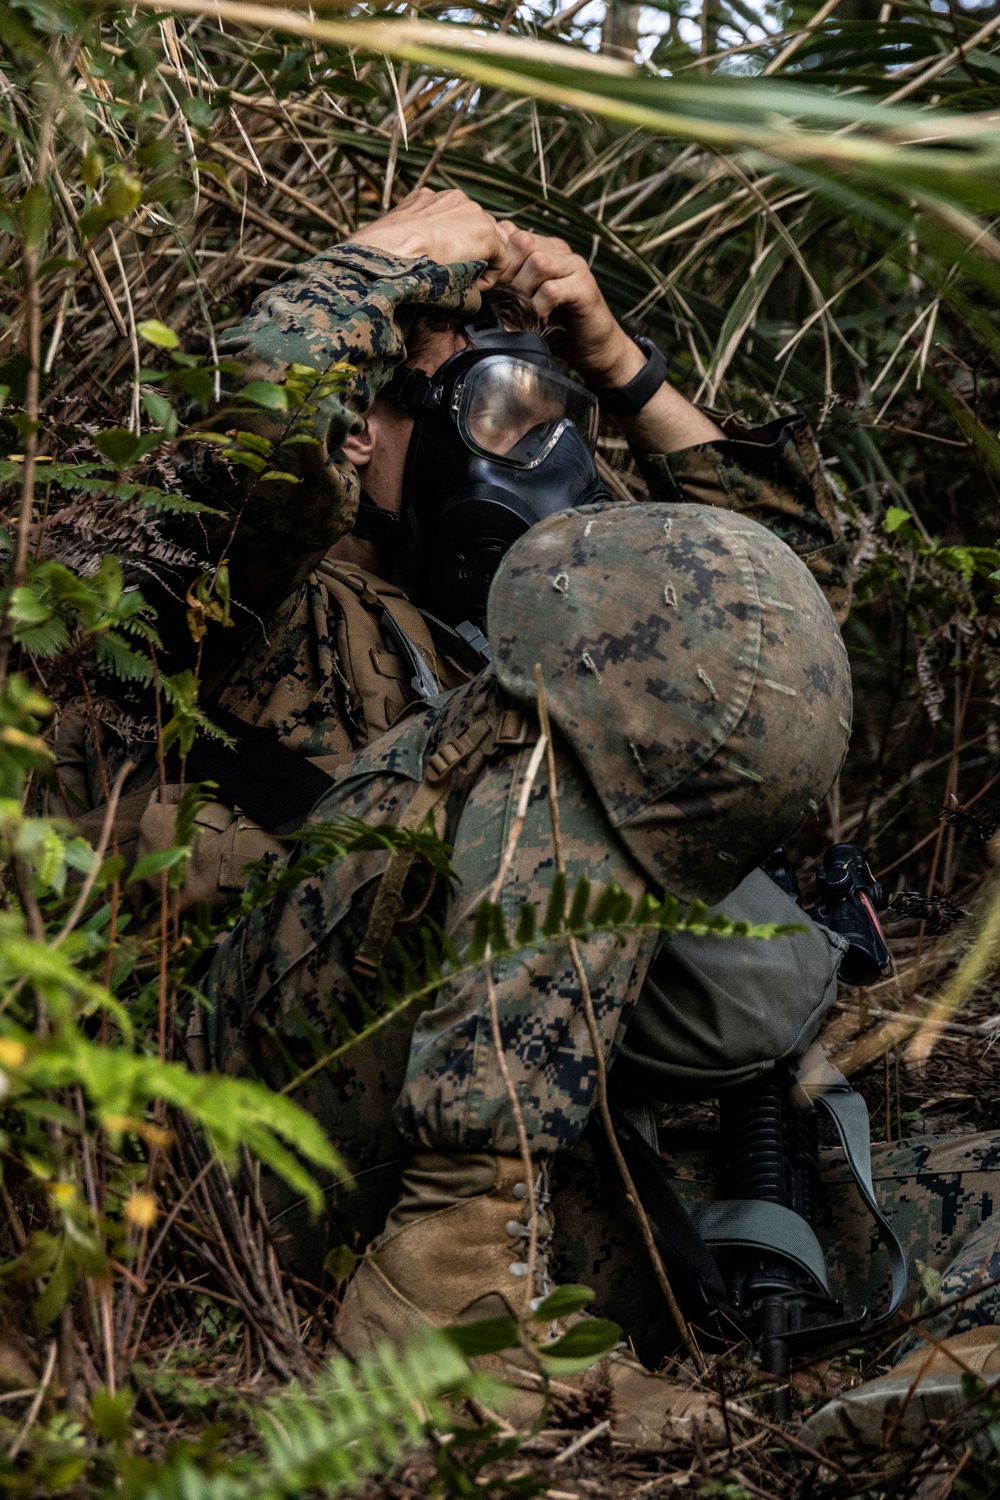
(112, 1414)
(563, 1302)
(158, 860)
(34, 213)
(125, 448)
(487, 1336)
(895, 518)
(340, 1262)
(265, 393)
(155, 332)
(589, 1338)
(198, 111)
(122, 195)
(161, 412)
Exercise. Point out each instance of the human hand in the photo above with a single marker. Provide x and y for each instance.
(565, 293)
(446, 227)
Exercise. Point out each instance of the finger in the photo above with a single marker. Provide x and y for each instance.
(520, 244)
(417, 198)
(568, 293)
(544, 265)
(454, 201)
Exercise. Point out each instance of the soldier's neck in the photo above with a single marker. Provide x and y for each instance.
(359, 554)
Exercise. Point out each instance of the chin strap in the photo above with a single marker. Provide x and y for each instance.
(374, 524)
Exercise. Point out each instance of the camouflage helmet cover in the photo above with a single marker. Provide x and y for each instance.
(695, 669)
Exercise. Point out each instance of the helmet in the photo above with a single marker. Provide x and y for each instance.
(694, 668)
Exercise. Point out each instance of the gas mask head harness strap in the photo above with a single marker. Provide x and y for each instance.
(501, 439)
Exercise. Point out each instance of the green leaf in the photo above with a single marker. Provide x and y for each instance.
(340, 1262)
(34, 213)
(578, 909)
(487, 1336)
(27, 606)
(930, 1280)
(122, 195)
(124, 448)
(53, 1299)
(198, 111)
(155, 332)
(350, 87)
(158, 860)
(481, 931)
(556, 905)
(112, 1415)
(265, 393)
(118, 657)
(246, 460)
(895, 518)
(91, 166)
(256, 444)
(590, 1338)
(526, 924)
(59, 263)
(563, 1302)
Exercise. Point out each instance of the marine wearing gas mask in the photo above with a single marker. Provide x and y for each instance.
(320, 663)
(502, 439)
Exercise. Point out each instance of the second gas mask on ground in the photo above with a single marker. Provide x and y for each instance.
(502, 438)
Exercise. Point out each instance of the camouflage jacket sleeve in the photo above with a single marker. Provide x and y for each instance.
(775, 475)
(345, 312)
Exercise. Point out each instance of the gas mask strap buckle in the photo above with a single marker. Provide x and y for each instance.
(372, 523)
(413, 390)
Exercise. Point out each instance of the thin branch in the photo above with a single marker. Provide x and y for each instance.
(603, 1107)
(98, 860)
(491, 1000)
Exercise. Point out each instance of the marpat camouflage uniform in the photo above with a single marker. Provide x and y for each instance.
(702, 713)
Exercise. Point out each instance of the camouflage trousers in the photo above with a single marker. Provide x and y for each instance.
(941, 1194)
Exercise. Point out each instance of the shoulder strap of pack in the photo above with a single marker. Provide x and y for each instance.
(389, 604)
(849, 1113)
(493, 727)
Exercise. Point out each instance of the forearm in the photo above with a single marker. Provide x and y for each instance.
(772, 473)
(344, 312)
(668, 422)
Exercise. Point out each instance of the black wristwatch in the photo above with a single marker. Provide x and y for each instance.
(628, 400)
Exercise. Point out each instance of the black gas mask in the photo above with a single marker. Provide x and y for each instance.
(502, 438)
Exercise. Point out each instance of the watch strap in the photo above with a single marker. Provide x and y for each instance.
(628, 400)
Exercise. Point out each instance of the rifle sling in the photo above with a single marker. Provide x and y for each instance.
(849, 1113)
(276, 786)
(678, 1236)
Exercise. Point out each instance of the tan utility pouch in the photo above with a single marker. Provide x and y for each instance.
(225, 842)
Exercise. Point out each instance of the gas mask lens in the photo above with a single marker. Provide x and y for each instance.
(514, 410)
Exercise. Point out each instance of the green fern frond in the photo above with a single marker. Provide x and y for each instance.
(351, 1422)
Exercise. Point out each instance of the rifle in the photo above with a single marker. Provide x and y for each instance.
(750, 1260)
(771, 1145)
